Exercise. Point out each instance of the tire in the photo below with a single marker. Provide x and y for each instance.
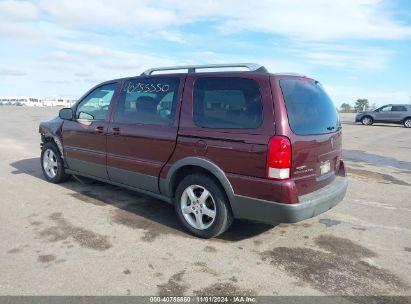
(52, 165)
(202, 206)
(407, 122)
(367, 120)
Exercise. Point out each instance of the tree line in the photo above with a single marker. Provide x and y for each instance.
(361, 104)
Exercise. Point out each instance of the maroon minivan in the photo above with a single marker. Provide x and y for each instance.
(216, 142)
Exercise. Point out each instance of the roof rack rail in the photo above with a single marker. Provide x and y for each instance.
(252, 67)
(290, 74)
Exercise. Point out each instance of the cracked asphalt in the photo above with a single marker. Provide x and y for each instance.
(97, 239)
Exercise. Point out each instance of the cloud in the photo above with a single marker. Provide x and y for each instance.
(18, 10)
(308, 20)
(108, 14)
(7, 72)
(67, 39)
(173, 36)
(113, 58)
(93, 81)
(16, 18)
(18, 31)
(345, 56)
(57, 82)
(313, 20)
(83, 74)
(59, 56)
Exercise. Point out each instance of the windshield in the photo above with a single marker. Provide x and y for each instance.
(310, 110)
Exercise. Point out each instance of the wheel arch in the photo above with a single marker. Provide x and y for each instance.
(51, 131)
(189, 164)
(405, 118)
(48, 137)
(369, 116)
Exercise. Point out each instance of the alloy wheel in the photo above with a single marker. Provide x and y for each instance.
(366, 120)
(198, 207)
(50, 164)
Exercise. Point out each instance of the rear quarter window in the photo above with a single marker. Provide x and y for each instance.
(399, 109)
(310, 110)
(227, 103)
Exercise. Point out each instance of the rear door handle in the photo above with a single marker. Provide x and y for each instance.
(100, 129)
(116, 131)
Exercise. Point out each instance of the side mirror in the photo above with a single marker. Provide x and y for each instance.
(66, 114)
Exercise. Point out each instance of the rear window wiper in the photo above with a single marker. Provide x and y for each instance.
(330, 128)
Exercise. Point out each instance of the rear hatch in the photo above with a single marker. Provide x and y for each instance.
(314, 132)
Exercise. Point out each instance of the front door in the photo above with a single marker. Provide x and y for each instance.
(142, 136)
(84, 137)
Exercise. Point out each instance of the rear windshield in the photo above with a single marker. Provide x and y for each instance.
(310, 110)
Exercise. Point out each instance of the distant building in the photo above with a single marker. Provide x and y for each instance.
(21, 101)
(31, 101)
(60, 102)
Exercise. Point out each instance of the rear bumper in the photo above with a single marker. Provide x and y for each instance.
(309, 206)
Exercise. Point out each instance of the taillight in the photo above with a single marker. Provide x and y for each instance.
(279, 158)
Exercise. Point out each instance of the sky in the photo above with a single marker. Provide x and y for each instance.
(355, 48)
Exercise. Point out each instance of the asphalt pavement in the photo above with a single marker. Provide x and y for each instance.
(97, 239)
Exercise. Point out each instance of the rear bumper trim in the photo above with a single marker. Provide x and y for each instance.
(309, 206)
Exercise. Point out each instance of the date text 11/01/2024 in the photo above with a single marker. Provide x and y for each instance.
(204, 299)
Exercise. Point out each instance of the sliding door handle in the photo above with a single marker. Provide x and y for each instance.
(116, 131)
(100, 129)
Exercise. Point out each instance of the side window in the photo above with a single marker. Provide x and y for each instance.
(398, 109)
(96, 104)
(227, 103)
(386, 109)
(148, 101)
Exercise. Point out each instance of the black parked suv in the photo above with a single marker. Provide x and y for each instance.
(392, 113)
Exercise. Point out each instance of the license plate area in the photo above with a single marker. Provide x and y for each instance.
(325, 167)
